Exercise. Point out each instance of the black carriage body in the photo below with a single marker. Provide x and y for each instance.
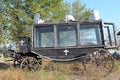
(72, 40)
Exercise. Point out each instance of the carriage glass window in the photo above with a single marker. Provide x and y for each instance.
(67, 35)
(44, 37)
(90, 34)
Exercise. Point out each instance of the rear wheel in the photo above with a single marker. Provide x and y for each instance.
(98, 63)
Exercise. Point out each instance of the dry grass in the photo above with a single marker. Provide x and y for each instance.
(56, 71)
(12, 75)
(17, 74)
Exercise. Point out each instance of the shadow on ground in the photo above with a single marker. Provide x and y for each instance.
(4, 65)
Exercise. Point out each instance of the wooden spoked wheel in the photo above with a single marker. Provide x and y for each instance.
(30, 63)
(98, 63)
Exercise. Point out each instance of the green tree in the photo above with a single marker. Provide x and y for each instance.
(3, 25)
(17, 15)
(50, 10)
(79, 11)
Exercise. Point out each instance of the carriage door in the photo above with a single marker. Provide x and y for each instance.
(109, 35)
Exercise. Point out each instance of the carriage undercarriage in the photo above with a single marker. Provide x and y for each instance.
(98, 61)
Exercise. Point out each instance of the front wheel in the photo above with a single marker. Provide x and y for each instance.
(30, 63)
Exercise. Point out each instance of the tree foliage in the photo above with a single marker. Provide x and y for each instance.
(79, 10)
(17, 15)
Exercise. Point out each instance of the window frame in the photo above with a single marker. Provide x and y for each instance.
(35, 36)
(77, 24)
(100, 34)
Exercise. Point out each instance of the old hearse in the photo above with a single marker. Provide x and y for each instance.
(87, 41)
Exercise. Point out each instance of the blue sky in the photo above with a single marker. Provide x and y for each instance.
(109, 10)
